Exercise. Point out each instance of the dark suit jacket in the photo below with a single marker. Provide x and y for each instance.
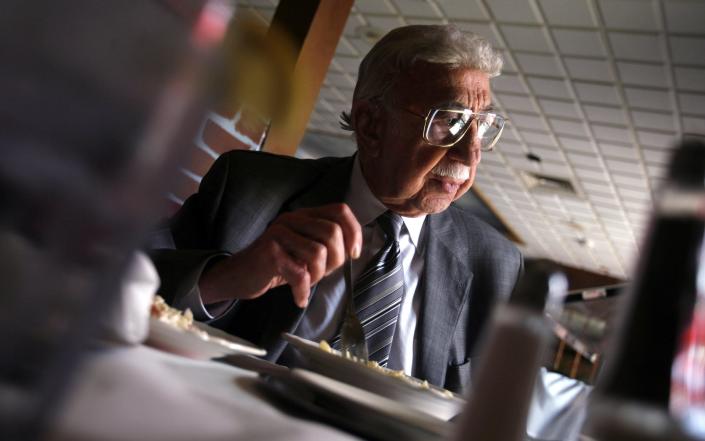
(468, 267)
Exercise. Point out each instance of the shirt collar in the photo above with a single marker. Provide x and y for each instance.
(366, 207)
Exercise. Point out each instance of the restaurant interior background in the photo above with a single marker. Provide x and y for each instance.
(597, 93)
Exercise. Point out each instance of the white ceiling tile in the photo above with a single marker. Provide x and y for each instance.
(629, 181)
(508, 83)
(598, 198)
(688, 50)
(692, 103)
(549, 88)
(374, 6)
(579, 42)
(416, 8)
(331, 94)
(384, 23)
(544, 139)
(685, 16)
(525, 38)
(610, 133)
(516, 102)
(462, 10)
(562, 13)
(690, 78)
(642, 74)
(604, 114)
(639, 47)
(567, 127)
(559, 108)
(597, 186)
(355, 21)
(348, 64)
(361, 45)
(421, 20)
(656, 170)
(576, 144)
(638, 195)
(618, 151)
(539, 64)
(484, 29)
(693, 124)
(525, 121)
(587, 69)
(655, 139)
(650, 99)
(546, 153)
(507, 147)
(345, 47)
(629, 14)
(561, 171)
(653, 120)
(512, 11)
(595, 174)
(620, 166)
(340, 80)
(656, 156)
(597, 93)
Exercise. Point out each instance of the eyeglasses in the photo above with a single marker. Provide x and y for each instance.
(445, 127)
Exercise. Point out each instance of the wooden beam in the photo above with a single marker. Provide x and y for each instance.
(317, 27)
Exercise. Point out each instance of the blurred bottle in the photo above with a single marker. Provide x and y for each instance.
(632, 399)
(514, 350)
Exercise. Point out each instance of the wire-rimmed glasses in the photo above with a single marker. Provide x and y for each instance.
(444, 127)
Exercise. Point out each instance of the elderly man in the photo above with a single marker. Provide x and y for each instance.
(257, 251)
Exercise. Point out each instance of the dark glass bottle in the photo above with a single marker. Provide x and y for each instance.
(514, 350)
(631, 400)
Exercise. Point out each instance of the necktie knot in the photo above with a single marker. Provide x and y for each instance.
(391, 224)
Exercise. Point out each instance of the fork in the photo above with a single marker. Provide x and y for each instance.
(352, 337)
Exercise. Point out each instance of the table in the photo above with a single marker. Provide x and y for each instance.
(140, 393)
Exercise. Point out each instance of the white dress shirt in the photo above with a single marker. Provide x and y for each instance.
(324, 314)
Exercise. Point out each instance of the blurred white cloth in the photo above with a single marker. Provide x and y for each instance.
(128, 320)
(558, 407)
(140, 393)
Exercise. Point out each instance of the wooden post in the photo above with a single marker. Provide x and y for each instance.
(317, 25)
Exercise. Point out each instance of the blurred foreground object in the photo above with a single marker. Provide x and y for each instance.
(632, 398)
(518, 339)
(97, 99)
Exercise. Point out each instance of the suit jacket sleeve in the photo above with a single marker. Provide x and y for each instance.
(184, 247)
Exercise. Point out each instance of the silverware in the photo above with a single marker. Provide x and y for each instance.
(352, 336)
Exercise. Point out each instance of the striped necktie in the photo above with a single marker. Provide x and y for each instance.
(379, 289)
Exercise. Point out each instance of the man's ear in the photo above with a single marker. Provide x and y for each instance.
(368, 127)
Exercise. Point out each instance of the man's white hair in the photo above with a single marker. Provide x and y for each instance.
(396, 53)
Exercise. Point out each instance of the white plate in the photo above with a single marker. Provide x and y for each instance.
(217, 344)
(359, 411)
(429, 399)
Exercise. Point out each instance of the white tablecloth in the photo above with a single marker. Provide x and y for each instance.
(140, 393)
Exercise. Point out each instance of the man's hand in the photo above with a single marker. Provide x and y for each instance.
(298, 248)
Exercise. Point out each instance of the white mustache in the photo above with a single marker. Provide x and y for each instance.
(454, 170)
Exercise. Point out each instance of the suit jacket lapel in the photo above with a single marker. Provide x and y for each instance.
(444, 289)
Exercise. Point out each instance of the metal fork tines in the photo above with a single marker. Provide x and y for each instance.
(352, 336)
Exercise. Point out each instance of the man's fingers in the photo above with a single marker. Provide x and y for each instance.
(310, 252)
(327, 233)
(339, 214)
(295, 273)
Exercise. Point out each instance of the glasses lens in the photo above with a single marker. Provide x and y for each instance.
(445, 127)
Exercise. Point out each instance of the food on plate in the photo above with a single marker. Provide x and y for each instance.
(422, 384)
(179, 319)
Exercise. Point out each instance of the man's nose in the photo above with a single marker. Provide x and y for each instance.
(468, 149)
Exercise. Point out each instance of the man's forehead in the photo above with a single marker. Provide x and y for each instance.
(437, 85)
